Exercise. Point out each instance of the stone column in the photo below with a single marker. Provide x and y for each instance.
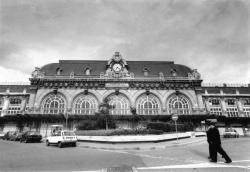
(200, 102)
(207, 105)
(23, 104)
(6, 103)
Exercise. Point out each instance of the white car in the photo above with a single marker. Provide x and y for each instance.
(230, 133)
(62, 138)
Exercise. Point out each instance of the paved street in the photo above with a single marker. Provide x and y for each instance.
(17, 156)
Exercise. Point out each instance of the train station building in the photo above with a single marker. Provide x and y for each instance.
(151, 88)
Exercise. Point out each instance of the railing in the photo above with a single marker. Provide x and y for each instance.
(14, 83)
(97, 77)
(224, 85)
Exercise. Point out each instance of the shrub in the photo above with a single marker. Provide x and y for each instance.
(118, 132)
(170, 127)
(99, 123)
(87, 125)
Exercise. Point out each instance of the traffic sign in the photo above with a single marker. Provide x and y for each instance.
(175, 117)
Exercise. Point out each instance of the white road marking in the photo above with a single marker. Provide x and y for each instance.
(201, 165)
(183, 166)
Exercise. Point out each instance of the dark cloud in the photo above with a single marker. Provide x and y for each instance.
(212, 36)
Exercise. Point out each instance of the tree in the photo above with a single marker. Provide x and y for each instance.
(104, 108)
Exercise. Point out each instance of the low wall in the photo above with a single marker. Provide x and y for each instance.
(139, 138)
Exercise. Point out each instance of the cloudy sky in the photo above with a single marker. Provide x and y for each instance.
(209, 35)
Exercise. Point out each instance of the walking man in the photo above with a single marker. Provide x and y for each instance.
(213, 138)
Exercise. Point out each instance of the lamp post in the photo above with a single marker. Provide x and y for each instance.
(66, 118)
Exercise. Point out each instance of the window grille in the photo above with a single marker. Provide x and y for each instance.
(148, 105)
(85, 104)
(54, 104)
(179, 104)
(215, 106)
(119, 105)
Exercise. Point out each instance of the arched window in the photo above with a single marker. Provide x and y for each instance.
(120, 104)
(85, 104)
(53, 104)
(58, 71)
(179, 104)
(148, 105)
(215, 106)
(246, 106)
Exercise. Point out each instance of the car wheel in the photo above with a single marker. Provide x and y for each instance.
(47, 143)
(26, 141)
(60, 145)
(74, 144)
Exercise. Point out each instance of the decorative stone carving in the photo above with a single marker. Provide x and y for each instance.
(194, 74)
(37, 73)
(117, 67)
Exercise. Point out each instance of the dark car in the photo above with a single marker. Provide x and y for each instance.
(7, 135)
(31, 136)
(16, 136)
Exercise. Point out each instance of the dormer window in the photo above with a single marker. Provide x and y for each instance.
(87, 71)
(173, 72)
(145, 71)
(58, 71)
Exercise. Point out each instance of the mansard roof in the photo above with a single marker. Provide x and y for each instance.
(15, 88)
(136, 67)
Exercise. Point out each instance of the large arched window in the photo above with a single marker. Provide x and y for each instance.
(53, 104)
(179, 104)
(148, 105)
(120, 105)
(85, 104)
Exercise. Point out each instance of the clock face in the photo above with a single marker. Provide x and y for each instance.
(117, 67)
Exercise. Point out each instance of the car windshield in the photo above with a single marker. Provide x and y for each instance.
(69, 133)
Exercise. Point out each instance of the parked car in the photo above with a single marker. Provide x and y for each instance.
(230, 133)
(62, 138)
(7, 135)
(1, 135)
(31, 136)
(16, 136)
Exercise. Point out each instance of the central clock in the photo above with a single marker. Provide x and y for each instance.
(117, 67)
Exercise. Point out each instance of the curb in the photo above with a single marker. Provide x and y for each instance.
(140, 148)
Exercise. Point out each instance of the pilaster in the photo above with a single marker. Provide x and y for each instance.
(223, 107)
(6, 103)
(240, 107)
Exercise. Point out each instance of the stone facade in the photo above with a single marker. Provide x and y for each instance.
(152, 88)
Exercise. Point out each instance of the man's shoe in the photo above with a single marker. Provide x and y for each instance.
(213, 161)
(228, 161)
